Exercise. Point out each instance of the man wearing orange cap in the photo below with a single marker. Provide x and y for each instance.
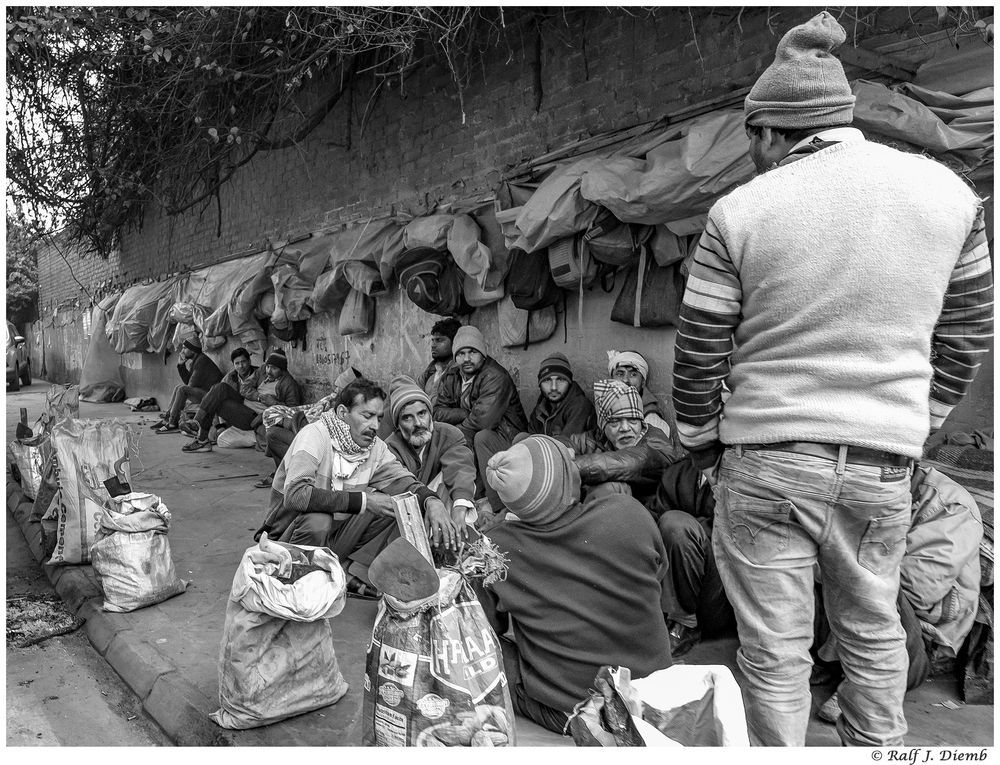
(845, 297)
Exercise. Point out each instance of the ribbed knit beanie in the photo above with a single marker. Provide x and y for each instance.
(805, 86)
(402, 391)
(535, 478)
(555, 364)
(469, 337)
(277, 359)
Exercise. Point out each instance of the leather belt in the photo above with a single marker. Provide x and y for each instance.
(856, 455)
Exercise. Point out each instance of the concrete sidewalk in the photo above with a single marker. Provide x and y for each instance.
(169, 653)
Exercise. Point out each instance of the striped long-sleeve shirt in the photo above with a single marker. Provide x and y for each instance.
(715, 306)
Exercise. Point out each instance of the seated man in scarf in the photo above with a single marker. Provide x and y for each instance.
(583, 584)
(272, 384)
(563, 408)
(334, 485)
(632, 368)
(624, 450)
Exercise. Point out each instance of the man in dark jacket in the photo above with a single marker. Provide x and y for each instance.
(478, 396)
(624, 450)
(583, 585)
(198, 373)
(436, 453)
(442, 336)
(563, 408)
(242, 371)
(242, 409)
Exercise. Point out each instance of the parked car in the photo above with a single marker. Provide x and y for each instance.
(18, 363)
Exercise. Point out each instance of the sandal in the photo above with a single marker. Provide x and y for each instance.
(265, 482)
(197, 446)
(166, 428)
(358, 589)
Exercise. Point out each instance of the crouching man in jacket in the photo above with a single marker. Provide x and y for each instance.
(333, 487)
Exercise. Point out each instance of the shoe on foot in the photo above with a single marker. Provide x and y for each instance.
(189, 427)
(166, 428)
(197, 446)
(356, 588)
(682, 638)
(830, 709)
(265, 482)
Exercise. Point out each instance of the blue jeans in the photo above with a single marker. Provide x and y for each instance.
(778, 515)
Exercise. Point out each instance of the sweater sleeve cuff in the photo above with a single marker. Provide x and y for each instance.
(707, 456)
(939, 413)
(423, 494)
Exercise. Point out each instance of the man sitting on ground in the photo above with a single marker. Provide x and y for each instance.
(442, 335)
(583, 584)
(632, 368)
(198, 374)
(281, 423)
(242, 409)
(337, 471)
(624, 450)
(563, 408)
(478, 396)
(436, 453)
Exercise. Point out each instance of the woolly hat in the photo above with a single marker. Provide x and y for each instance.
(193, 344)
(402, 391)
(629, 358)
(805, 86)
(536, 479)
(613, 398)
(469, 337)
(277, 358)
(555, 364)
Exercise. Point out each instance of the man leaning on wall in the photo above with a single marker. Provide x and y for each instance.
(846, 295)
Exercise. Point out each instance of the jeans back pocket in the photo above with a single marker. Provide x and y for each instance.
(758, 527)
(884, 542)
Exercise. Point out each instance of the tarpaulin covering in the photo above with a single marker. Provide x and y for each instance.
(242, 305)
(102, 363)
(377, 242)
(556, 209)
(139, 323)
(291, 291)
(458, 234)
(948, 126)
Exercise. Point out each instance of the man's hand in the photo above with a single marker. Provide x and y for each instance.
(440, 527)
(380, 504)
(712, 473)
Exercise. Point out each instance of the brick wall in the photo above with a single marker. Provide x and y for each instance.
(599, 71)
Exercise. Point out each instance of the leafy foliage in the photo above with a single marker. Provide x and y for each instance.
(22, 271)
(110, 107)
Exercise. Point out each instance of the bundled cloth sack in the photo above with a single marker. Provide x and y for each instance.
(434, 673)
(131, 556)
(87, 453)
(277, 657)
(61, 402)
(685, 704)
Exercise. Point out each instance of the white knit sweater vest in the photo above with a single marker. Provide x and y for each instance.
(844, 257)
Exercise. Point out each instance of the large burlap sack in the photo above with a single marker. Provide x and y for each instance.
(131, 556)
(88, 452)
(434, 673)
(277, 657)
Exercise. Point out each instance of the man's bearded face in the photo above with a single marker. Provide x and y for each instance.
(415, 424)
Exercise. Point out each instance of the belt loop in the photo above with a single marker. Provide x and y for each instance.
(739, 451)
(841, 459)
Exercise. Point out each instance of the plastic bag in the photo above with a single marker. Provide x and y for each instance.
(234, 438)
(357, 315)
(61, 401)
(26, 457)
(131, 556)
(277, 657)
(88, 452)
(695, 705)
(434, 673)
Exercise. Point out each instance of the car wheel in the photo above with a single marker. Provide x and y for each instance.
(14, 383)
(26, 374)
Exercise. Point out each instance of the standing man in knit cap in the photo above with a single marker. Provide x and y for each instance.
(198, 373)
(442, 335)
(478, 396)
(845, 295)
(563, 408)
(624, 451)
(632, 369)
(583, 585)
(272, 384)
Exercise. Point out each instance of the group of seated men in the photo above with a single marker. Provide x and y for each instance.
(607, 525)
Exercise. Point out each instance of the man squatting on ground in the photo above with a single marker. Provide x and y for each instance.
(198, 374)
(846, 293)
(336, 470)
